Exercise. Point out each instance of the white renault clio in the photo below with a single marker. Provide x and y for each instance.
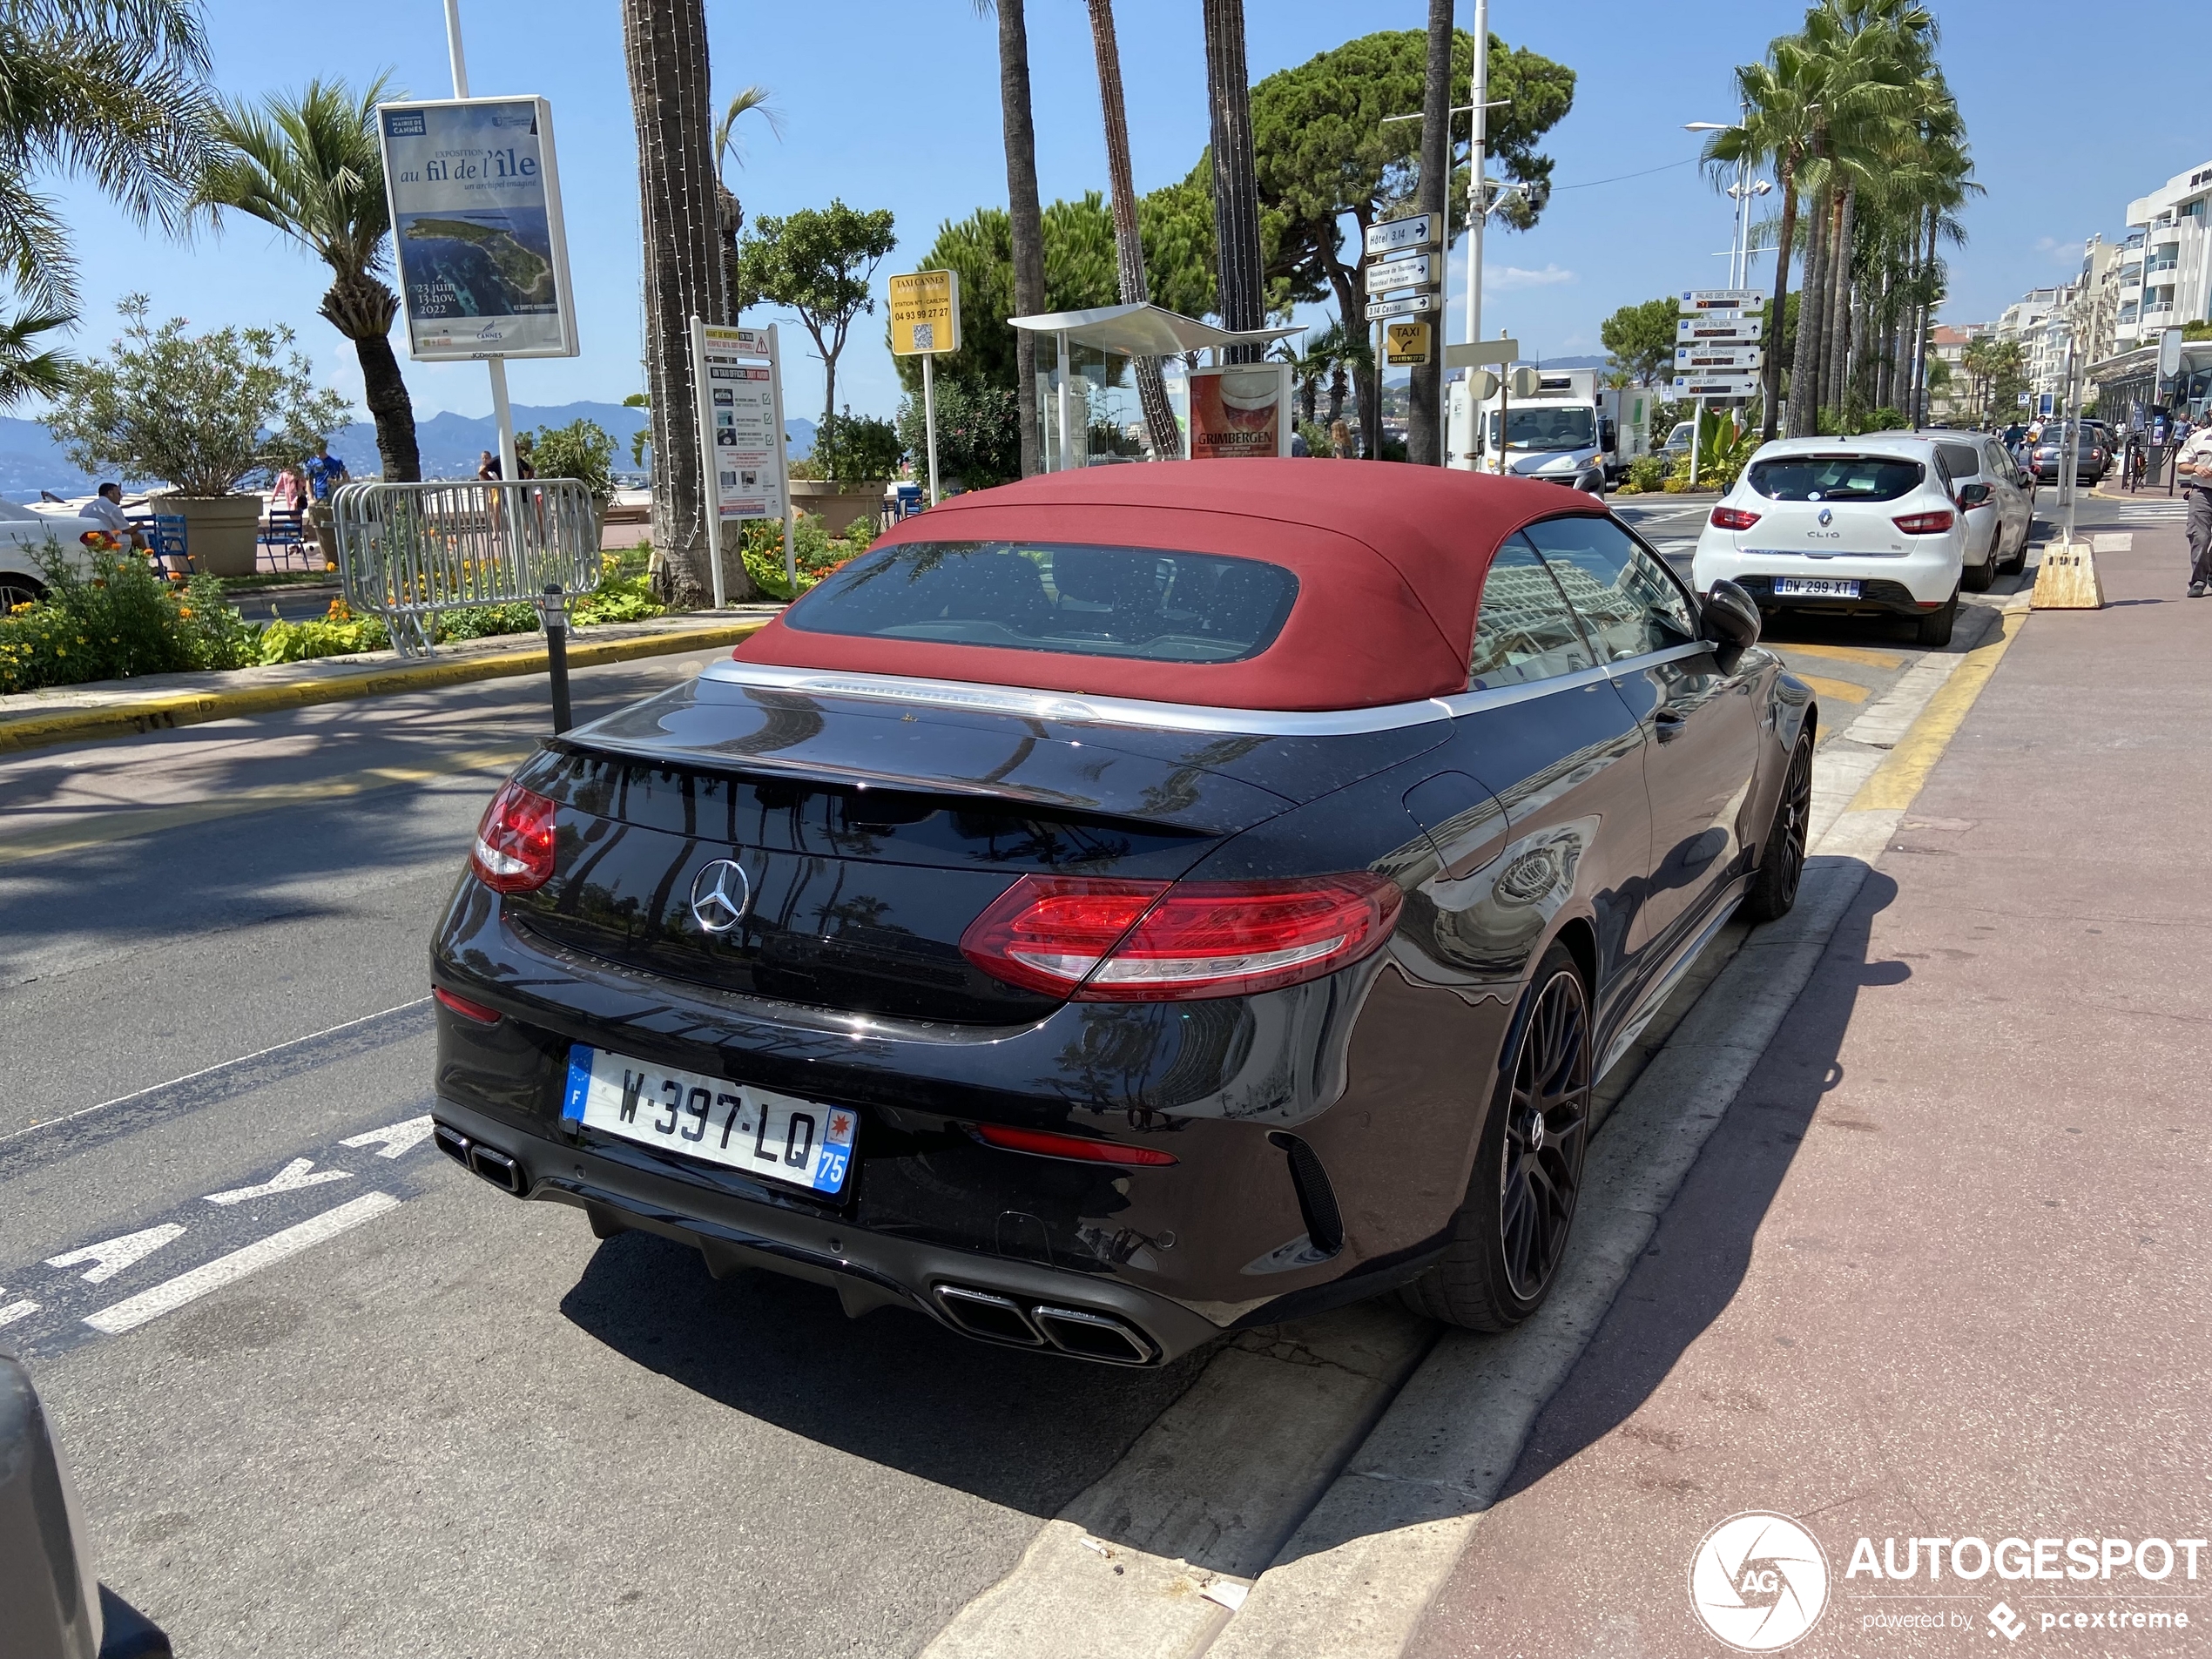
(1865, 526)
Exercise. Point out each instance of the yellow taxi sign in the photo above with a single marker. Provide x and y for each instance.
(1406, 345)
(925, 314)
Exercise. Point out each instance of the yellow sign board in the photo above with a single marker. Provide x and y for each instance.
(1406, 344)
(925, 314)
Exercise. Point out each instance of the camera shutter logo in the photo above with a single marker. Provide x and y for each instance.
(720, 896)
(1758, 1582)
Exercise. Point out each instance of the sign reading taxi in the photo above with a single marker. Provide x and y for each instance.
(925, 314)
(1406, 345)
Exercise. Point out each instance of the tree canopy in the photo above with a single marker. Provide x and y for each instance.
(818, 262)
(1642, 338)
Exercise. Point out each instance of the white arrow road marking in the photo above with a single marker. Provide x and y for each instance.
(224, 1270)
(290, 1178)
(16, 1311)
(395, 1138)
(118, 1253)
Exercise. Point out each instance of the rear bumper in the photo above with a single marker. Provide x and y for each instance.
(1907, 583)
(867, 1270)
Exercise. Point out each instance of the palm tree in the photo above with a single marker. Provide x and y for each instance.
(1128, 246)
(1024, 212)
(1424, 414)
(310, 166)
(664, 49)
(1236, 183)
(729, 212)
(25, 370)
(110, 89)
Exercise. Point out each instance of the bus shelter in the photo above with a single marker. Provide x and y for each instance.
(1067, 394)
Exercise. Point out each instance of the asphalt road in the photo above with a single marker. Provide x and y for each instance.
(404, 1412)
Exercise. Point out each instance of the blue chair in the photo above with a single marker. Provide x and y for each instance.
(286, 536)
(165, 540)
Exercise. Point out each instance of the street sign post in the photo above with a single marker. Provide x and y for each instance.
(1402, 235)
(738, 373)
(1412, 305)
(1720, 385)
(1696, 300)
(1696, 359)
(1406, 345)
(1718, 329)
(925, 319)
(1412, 271)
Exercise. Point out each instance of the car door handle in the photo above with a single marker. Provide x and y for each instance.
(1670, 723)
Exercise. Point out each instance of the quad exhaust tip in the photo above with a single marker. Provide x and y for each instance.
(497, 1168)
(1082, 1333)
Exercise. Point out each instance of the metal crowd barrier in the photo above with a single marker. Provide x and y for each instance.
(407, 551)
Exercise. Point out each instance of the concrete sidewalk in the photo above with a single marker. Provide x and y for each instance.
(1939, 1273)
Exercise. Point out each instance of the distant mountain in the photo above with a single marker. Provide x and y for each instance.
(31, 461)
(1577, 362)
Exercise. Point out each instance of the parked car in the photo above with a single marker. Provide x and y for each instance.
(1991, 489)
(1865, 526)
(2092, 458)
(1128, 906)
(25, 534)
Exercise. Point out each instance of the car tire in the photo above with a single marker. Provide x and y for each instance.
(1933, 627)
(1976, 579)
(1510, 1233)
(2018, 562)
(1781, 857)
(19, 590)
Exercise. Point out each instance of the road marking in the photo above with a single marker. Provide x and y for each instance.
(1859, 654)
(16, 1311)
(224, 1270)
(118, 1253)
(1897, 779)
(206, 1072)
(2113, 541)
(395, 1138)
(125, 824)
(1842, 691)
(293, 1177)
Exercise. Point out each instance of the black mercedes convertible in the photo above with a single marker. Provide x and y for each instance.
(1131, 905)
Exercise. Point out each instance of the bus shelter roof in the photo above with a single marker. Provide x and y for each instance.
(1143, 330)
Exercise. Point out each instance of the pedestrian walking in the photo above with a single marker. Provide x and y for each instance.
(325, 473)
(2193, 467)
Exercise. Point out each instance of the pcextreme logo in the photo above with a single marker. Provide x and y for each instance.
(1759, 1581)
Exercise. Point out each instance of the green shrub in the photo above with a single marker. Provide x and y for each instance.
(979, 433)
(622, 595)
(216, 634)
(583, 451)
(1647, 473)
(339, 634)
(482, 622)
(858, 448)
(813, 551)
(116, 621)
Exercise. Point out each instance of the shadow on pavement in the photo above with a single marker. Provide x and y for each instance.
(1025, 1430)
(1697, 1260)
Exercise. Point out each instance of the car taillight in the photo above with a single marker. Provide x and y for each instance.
(1045, 1144)
(1733, 518)
(1095, 939)
(514, 842)
(474, 1011)
(1924, 523)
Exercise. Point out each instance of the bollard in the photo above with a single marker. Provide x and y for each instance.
(556, 611)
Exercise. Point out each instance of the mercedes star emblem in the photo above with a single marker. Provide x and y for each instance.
(720, 896)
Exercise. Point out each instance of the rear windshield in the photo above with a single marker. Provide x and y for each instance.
(1085, 601)
(1835, 477)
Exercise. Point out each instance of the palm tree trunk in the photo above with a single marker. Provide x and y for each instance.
(361, 309)
(1236, 185)
(1804, 372)
(665, 46)
(1423, 423)
(1781, 300)
(729, 220)
(1838, 336)
(1026, 216)
(1128, 246)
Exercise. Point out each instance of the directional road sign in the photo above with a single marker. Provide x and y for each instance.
(1402, 235)
(1700, 300)
(1412, 305)
(1717, 385)
(1716, 330)
(1414, 271)
(1467, 354)
(1693, 358)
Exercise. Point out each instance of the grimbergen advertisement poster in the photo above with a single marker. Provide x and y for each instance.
(475, 203)
(1240, 409)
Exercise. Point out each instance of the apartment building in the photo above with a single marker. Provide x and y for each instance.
(1948, 343)
(2168, 235)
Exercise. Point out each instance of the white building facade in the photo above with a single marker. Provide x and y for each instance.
(2172, 280)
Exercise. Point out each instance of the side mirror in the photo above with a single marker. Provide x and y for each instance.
(2025, 478)
(1972, 495)
(1729, 618)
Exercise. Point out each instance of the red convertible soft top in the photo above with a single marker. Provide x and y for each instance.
(1389, 558)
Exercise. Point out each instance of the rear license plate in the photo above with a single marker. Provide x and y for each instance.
(1814, 587)
(777, 1137)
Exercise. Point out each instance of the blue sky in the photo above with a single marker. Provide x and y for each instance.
(895, 104)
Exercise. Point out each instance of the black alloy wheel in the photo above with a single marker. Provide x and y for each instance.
(1511, 1231)
(1781, 861)
(18, 591)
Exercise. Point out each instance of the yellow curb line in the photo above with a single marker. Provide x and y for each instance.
(1893, 786)
(122, 825)
(192, 708)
